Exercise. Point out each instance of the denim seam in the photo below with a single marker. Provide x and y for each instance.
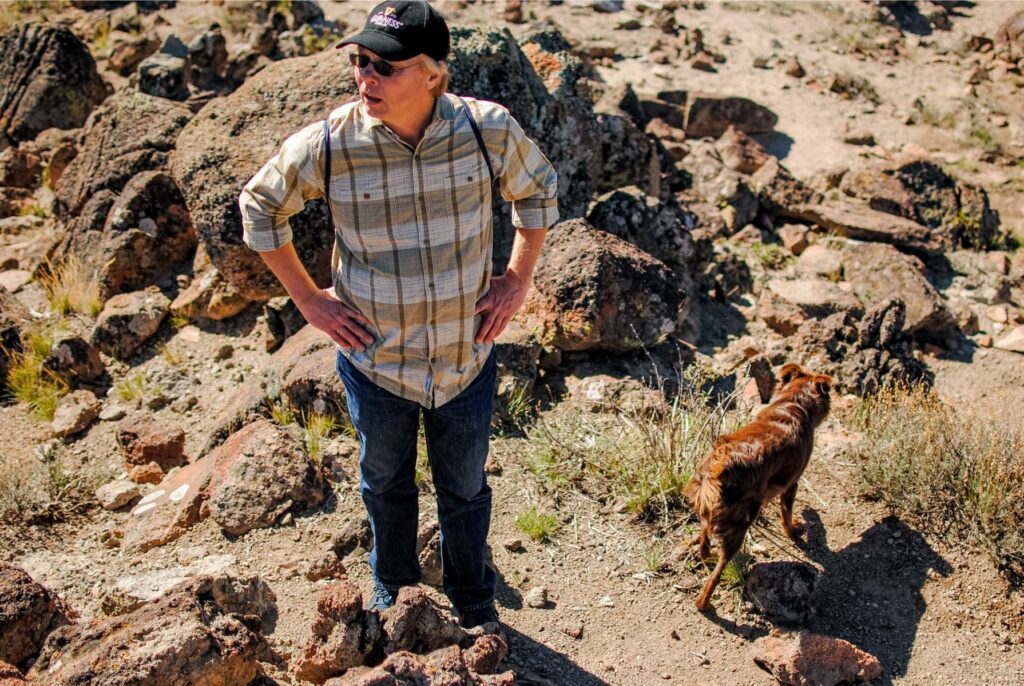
(477, 606)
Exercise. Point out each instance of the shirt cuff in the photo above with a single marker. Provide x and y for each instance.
(534, 213)
(263, 236)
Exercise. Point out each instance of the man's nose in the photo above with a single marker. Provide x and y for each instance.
(368, 73)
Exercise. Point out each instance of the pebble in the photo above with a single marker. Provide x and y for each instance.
(514, 545)
(537, 597)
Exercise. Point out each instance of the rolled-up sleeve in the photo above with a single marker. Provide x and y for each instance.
(281, 189)
(528, 180)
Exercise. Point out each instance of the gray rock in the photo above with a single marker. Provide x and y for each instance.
(208, 60)
(117, 494)
(164, 76)
(271, 476)
(781, 591)
(818, 261)
(48, 78)
(536, 597)
(1013, 341)
(128, 320)
(72, 358)
(74, 413)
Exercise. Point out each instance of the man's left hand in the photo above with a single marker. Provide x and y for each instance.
(502, 301)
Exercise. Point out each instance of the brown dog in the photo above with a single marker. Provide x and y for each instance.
(746, 469)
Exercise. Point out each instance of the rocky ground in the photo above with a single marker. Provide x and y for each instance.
(743, 184)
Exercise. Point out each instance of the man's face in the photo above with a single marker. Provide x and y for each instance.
(386, 95)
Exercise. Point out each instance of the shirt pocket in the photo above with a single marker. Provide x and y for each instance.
(362, 207)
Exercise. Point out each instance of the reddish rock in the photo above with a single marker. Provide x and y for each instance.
(740, 152)
(807, 659)
(820, 262)
(197, 634)
(794, 68)
(28, 613)
(865, 224)
(343, 634)
(146, 474)
(712, 115)
(486, 653)
(10, 676)
(128, 320)
(144, 440)
(209, 296)
(417, 624)
(794, 238)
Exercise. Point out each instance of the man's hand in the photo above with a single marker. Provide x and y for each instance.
(502, 301)
(344, 325)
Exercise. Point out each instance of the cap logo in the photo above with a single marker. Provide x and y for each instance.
(386, 19)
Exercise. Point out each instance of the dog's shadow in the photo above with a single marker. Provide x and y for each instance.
(869, 592)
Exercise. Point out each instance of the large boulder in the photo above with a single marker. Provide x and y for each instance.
(204, 632)
(228, 142)
(126, 220)
(712, 115)
(270, 476)
(28, 613)
(48, 78)
(879, 272)
(595, 291)
(957, 214)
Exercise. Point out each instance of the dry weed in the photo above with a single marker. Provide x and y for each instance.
(71, 287)
(949, 472)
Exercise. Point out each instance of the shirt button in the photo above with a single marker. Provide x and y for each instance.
(431, 285)
(366, 196)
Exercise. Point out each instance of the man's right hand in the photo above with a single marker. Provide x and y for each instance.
(345, 326)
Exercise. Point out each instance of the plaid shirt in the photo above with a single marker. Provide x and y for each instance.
(413, 236)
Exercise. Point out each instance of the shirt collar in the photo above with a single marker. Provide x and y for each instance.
(443, 110)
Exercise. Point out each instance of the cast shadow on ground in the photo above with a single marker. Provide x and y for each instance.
(536, 664)
(776, 143)
(869, 592)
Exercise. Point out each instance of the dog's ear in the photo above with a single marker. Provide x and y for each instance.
(790, 372)
(822, 384)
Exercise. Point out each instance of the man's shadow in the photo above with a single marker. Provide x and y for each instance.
(869, 593)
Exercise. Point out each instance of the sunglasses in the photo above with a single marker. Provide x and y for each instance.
(384, 69)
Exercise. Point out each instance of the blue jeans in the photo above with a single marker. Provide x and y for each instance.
(457, 436)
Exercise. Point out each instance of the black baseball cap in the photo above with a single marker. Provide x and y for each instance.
(400, 29)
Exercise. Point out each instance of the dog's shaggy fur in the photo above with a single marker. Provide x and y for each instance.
(746, 469)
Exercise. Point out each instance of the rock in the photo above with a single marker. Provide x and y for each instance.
(781, 193)
(127, 56)
(1009, 37)
(283, 321)
(209, 296)
(179, 501)
(208, 60)
(794, 238)
(72, 358)
(486, 653)
(807, 659)
(760, 372)
(149, 473)
(270, 476)
(48, 78)
(415, 623)
(145, 439)
(1013, 341)
(781, 591)
(660, 228)
(130, 591)
(607, 6)
(879, 272)
(74, 413)
(859, 137)
(228, 142)
(593, 290)
(302, 374)
(28, 613)
(164, 76)
(117, 494)
(740, 152)
(13, 318)
(57, 148)
(10, 675)
(818, 261)
(428, 553)
(518, 352)
(15, 279)
(598, 389)
(513, 12)
(712, 115)
(628, 155)
(956, 213)
(866, 224)
(20, 168)
(198, 633)
(794, 68)
(131, 133)
(343, 635)
(128, 320)
(326, 566)
(814, 298)
(536, 597)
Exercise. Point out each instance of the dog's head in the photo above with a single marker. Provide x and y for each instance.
(812, 389)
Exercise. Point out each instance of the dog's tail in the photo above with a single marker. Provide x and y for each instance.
(702, 493)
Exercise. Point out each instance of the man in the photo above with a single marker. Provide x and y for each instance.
(414, 309)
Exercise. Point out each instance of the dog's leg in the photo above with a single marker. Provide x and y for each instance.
(790, 524)
(703, 541)
(727, 549)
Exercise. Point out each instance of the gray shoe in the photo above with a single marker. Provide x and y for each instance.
(382, 597)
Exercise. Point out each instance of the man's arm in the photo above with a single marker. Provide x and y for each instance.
(508, 291)
(320, 308)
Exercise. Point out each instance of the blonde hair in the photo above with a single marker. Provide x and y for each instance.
(433, 66)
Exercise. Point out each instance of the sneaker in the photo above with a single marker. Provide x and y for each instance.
(479, 617)
(382, 597)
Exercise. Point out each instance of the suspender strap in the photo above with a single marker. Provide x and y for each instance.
(479, 139)
(327, 171)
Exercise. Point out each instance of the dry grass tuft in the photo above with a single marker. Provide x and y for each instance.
(71, 287)
(29, 382)
(950, 473)
(642, 456)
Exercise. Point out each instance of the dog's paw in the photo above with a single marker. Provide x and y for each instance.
(794, 528)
